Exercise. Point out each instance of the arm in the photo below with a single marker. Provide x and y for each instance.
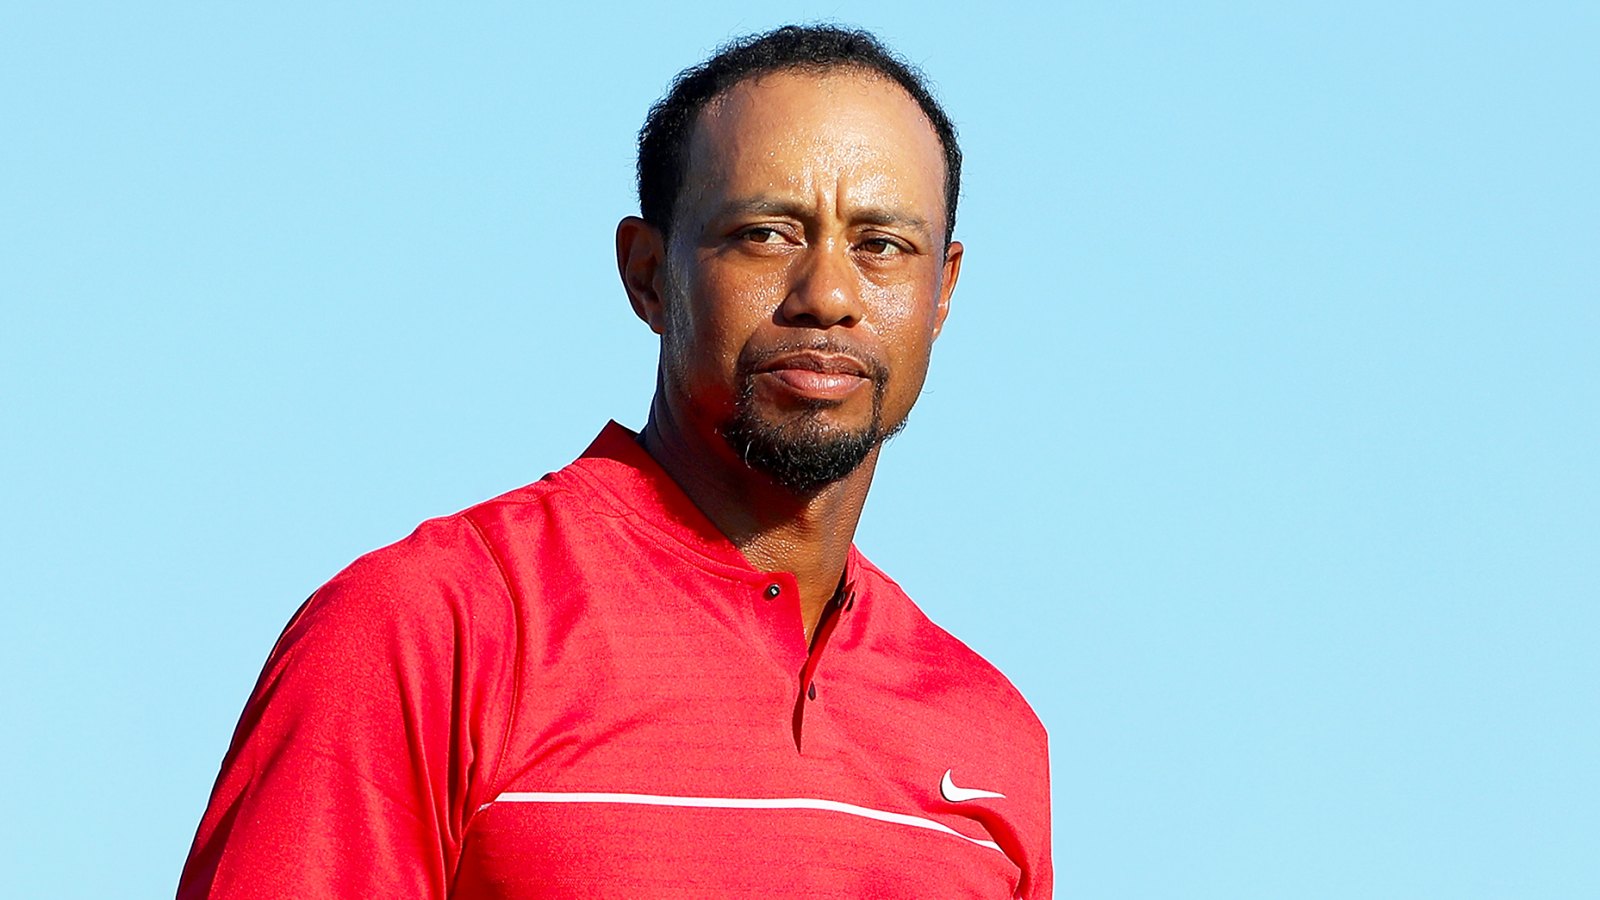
(348, 775)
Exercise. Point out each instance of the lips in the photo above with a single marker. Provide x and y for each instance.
(820, 363)
(816, 375)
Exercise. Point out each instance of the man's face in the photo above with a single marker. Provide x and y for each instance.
(807, 274)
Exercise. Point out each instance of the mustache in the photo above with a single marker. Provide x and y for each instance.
(754, 359)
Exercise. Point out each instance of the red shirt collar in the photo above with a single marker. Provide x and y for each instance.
(618, 465)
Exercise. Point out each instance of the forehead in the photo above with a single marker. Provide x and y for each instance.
(842, 131)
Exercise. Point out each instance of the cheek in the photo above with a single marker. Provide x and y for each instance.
(733, 303)
(687, 343)
(903, 316)
(709, 321)
(903, 320)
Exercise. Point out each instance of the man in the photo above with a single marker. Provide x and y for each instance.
(665, 671)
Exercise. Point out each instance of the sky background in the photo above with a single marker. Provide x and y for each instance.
(1259, 449)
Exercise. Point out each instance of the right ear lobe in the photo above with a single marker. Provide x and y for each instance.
(642, 263)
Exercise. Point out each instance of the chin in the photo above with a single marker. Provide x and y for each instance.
(803, 452)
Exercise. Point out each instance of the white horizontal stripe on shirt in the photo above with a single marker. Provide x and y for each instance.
(737, 803)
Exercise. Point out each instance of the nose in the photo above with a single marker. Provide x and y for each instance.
(826, 291)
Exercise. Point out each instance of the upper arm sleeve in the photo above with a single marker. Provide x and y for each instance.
(370, 735)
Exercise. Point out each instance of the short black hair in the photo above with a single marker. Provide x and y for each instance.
(664, 139)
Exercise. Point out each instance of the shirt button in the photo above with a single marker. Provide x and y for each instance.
(772, 591)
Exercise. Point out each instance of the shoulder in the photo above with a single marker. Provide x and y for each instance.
(406, 605)
(461, 557)
(943, 664)
(462, 581)
(411, 631)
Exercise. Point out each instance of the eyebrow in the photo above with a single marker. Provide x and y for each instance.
(774, 206)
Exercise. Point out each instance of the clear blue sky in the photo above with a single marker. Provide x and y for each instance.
(1259, 450)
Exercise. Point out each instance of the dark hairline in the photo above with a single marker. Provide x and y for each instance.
(820, 49)
(817, 71)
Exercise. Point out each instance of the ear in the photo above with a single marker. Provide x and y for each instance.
(950, 271)
(641, 261)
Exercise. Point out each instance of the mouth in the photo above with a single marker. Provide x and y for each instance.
(816, 361)
(815, 375)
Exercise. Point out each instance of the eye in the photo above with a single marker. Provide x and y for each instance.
(761, 235)
(882, 246)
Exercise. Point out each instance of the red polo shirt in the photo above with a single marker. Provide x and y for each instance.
(582, 689)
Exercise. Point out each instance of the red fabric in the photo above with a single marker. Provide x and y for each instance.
(439, 719)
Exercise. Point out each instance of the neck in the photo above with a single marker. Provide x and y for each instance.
(777, 529)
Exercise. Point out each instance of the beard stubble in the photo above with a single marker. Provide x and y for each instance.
(803, 453)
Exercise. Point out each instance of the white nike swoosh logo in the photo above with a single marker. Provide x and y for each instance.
(949, 791)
